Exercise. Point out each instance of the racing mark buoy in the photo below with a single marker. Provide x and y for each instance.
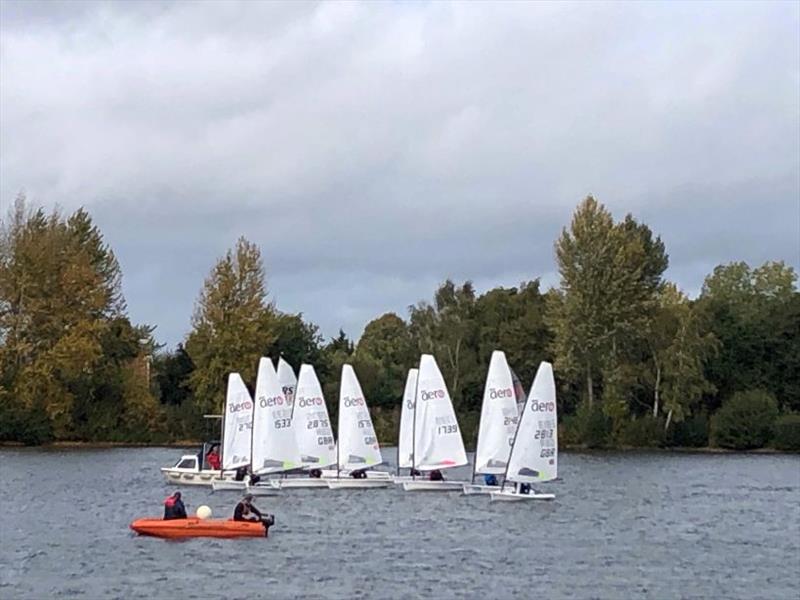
(203, 512)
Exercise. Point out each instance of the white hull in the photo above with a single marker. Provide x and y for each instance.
(267, 487)
(398, 479)
(350, 483)
(512, 496)
(302, 482)
(470, 489)
(228, 486)
(187, 477)
(425, 485)
(331, 473)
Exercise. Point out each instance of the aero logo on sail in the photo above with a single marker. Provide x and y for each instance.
(353, 401)
(537, 406)
(501, 393)
(310, 401)
(274, 401)
(432, 395)
(246, 405)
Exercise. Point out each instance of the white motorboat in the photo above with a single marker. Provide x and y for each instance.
(187, 471)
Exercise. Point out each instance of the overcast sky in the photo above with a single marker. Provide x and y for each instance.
(374, 149)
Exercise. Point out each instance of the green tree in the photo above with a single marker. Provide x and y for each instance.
(231, 326)
(610, 275)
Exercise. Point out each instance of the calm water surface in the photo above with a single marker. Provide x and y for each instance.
(623, 526)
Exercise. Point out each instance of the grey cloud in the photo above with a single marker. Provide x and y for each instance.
(374, 149)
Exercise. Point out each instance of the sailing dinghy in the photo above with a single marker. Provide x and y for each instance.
(534, 452)
(312, 431)
(497, 426)
(237, 425)
(358, 447)
(437, 443)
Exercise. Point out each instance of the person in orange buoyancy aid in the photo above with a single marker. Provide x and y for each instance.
(212, 458)
(174, 508)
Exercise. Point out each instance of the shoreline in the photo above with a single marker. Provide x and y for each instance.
(67, 445)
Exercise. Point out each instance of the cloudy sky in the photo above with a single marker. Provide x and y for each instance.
(374, 149)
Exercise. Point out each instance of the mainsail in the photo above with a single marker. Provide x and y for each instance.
(274, 446)
(406, 437)
(437, 438)
(238, 421)
(358, 445)
(498, 418)
(534, 456)
(311, 423)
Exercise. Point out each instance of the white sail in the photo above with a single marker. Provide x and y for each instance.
(287, 380)
(498, 418)
(238, 424)
(310, 422)
(274, 447)
(534, 456)
(406, 437)
(437, 438)
(358, 444)
(519, 391)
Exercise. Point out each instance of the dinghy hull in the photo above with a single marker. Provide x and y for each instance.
(423, 485)
(470, 489)
(512, 496)
(351, 484)
(193, 527)
(302, 483)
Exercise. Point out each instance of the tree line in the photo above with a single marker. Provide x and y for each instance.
(638, 363)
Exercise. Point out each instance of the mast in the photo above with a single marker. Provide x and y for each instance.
(339, 427)
(413, 434)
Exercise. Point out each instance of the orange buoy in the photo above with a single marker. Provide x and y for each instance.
(194, 527)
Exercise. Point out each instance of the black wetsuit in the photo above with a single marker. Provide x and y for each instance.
(238, 513)
(174, 511)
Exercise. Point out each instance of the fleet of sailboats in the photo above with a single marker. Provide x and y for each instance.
(284, 437)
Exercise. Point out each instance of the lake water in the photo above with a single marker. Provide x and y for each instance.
(623, 526)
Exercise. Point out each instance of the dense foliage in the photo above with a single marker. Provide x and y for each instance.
(637, 362)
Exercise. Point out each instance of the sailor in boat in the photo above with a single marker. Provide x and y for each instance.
(436, 475)
(490, 479)
(315, 473)
(241, 473)
(358, 474)
(212, 458)
(246, 511)
(524, 488)
(174, 508)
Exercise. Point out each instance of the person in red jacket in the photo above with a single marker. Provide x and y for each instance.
(212, 458)
(174, 508)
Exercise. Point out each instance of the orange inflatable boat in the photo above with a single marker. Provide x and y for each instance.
(194, 527)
